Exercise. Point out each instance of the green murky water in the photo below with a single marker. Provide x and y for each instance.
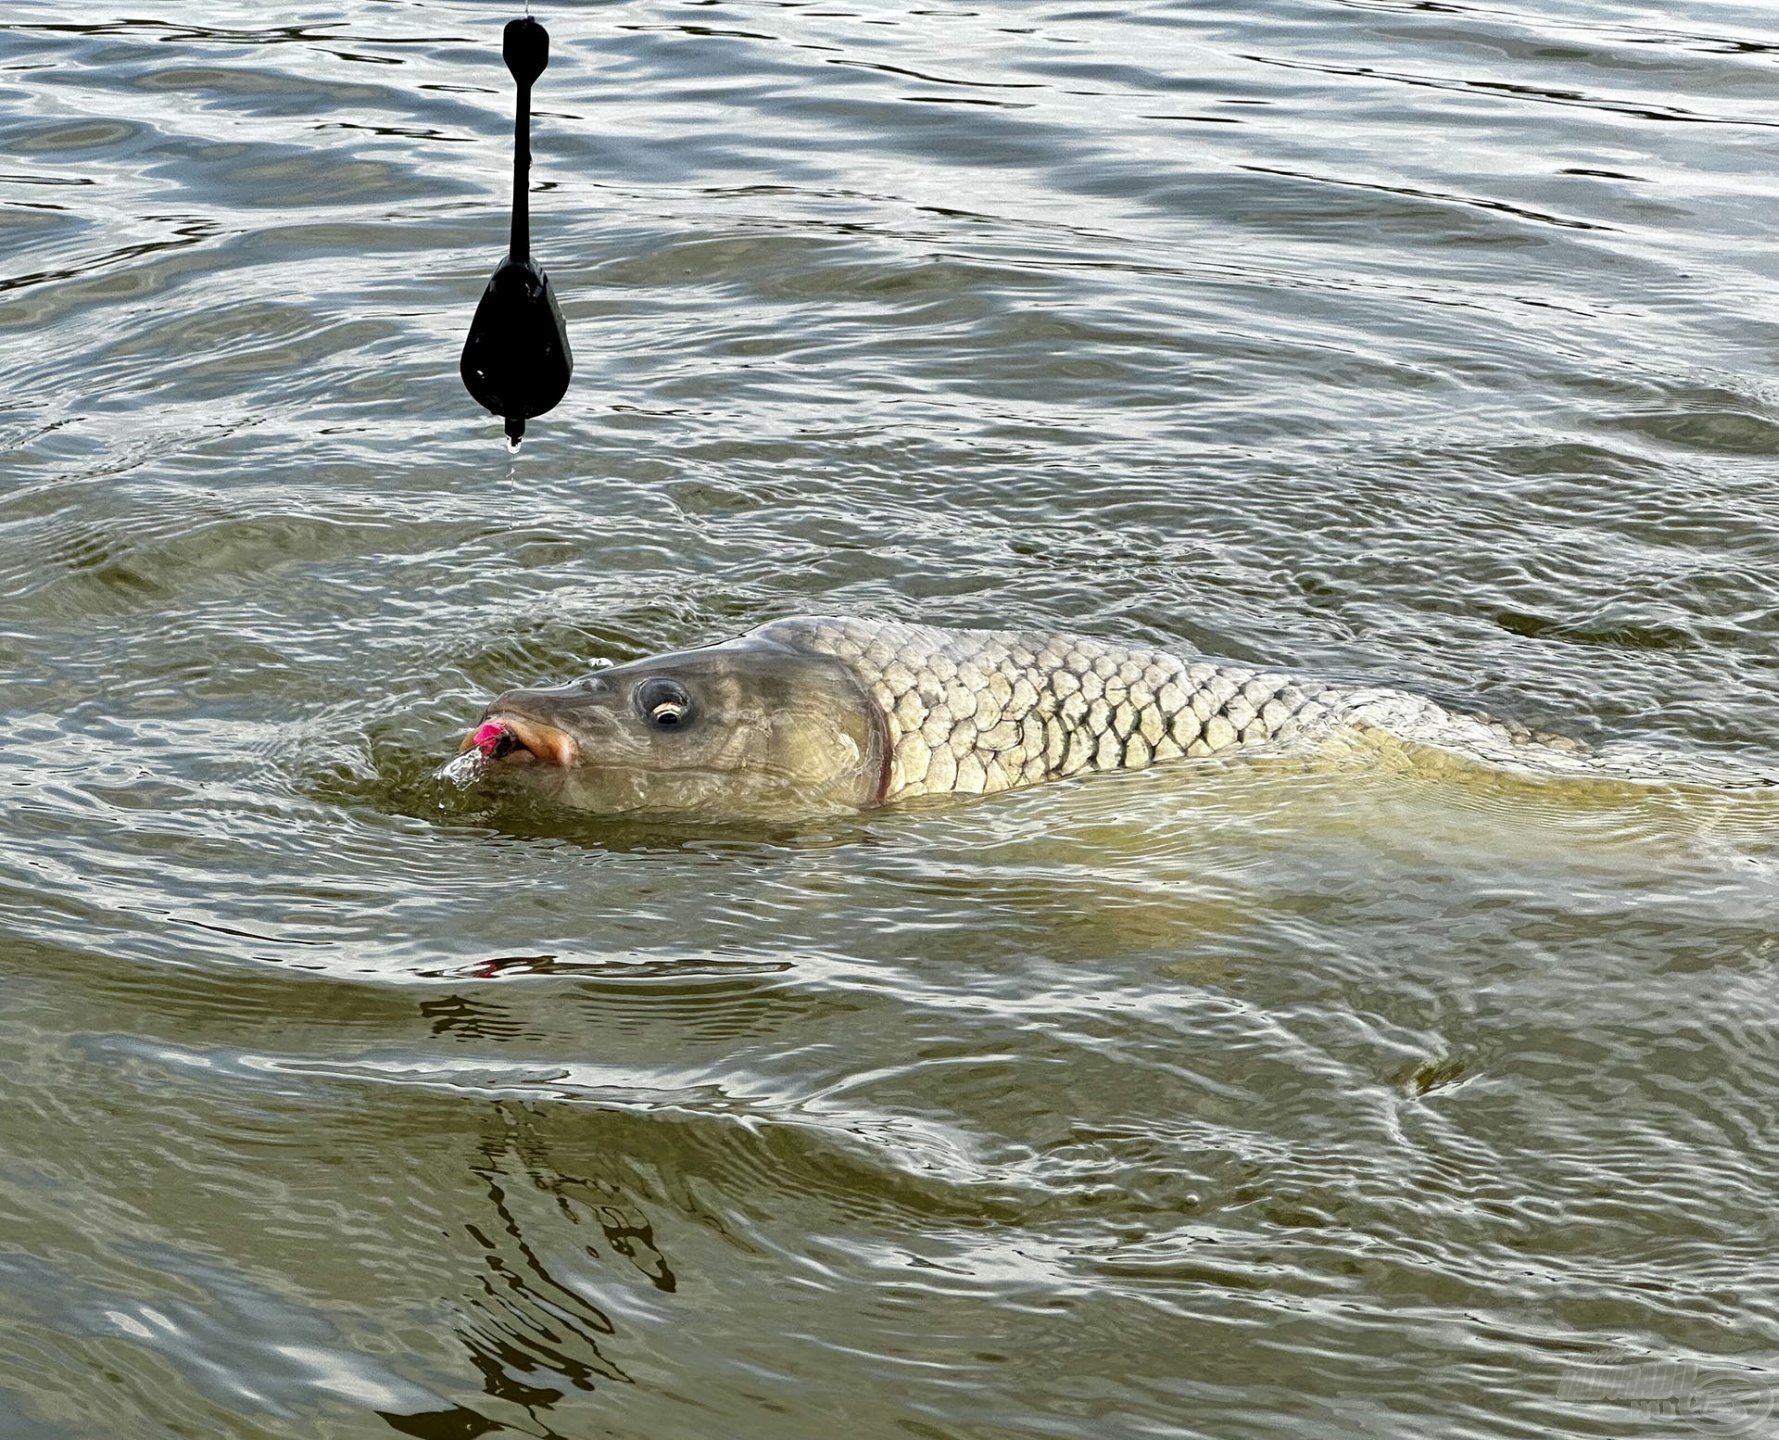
(1429, 342)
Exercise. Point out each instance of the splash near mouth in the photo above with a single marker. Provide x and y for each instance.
(469, 765)
(484, 745)
(492, 740)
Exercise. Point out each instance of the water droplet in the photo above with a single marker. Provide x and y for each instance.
(512, 445)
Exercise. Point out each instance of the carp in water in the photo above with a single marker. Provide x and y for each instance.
(812, 715)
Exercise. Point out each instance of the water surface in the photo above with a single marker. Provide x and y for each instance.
(1428, 342)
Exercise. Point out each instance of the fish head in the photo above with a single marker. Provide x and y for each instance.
(746, 728)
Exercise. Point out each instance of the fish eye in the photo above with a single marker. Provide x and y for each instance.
(663, 703)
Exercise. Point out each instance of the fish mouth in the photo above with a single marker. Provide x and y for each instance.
(518, 739)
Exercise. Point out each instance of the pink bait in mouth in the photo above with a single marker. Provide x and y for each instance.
(488, 738)
(516, 738)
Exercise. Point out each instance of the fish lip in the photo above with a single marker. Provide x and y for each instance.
(525, 741)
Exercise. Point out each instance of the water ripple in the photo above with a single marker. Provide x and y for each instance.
(1429, 344)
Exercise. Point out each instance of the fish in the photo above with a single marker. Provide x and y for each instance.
(821, 714)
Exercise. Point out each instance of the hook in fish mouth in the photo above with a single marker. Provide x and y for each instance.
(519, 739)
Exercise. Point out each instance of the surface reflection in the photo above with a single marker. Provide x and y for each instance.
(527, 1321)
(1239, 1101)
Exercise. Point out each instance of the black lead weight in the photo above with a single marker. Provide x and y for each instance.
(516, 361)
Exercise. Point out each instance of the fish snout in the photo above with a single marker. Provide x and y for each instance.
(514, 730)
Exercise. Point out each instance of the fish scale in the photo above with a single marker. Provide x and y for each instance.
(981, 711)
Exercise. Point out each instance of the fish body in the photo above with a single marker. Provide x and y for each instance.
(975, 712)
(823, 713)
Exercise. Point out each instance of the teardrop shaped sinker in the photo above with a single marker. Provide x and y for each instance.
(516, 361)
